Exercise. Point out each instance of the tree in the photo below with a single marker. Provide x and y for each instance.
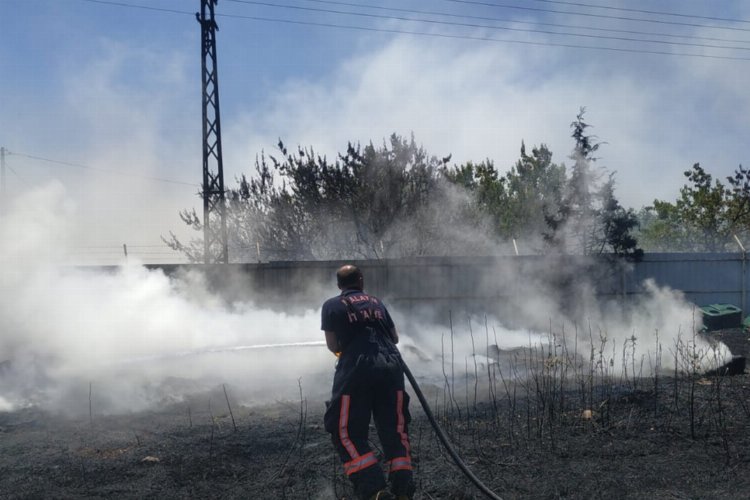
(391, 191)
(617, 226)
(661, 229)
(372, 202)
(705, 218)
(570, 224)
(515, 203)
(487, 191)
(702, 206)
(588, 218)
(738, 211)
(395, 200)
(535, 187)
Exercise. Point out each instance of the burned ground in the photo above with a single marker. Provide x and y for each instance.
(657, 437)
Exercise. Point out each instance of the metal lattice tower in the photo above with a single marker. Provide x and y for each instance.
(214, 206)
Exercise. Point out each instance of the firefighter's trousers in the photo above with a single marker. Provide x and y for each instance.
(371, 384)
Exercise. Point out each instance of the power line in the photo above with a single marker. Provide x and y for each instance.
(641, 11)
(80, 165)
(175, 11)
(118, 246)
(118, 251)
(599, 16)
(529, 23)
(145, 7)
(483, 26)
(480, 38)
(17, 176)
(441, 35)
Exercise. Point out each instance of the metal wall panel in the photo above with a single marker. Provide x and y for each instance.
(482, 282)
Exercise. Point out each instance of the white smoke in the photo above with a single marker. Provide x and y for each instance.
(130, 337)
(127, 331)
(659, 332)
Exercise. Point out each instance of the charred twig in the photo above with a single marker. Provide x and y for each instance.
(448, 385)
(416, 451)
(453, 374)
(211, 413)
(300, 428)
(213, 427)
(91, 415)
(211, 443)
(490, 372)
(466, 381)
(230, 407)
(476, 372)
(83, 476)
(303, 420)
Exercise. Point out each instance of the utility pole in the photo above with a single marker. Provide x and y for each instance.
(214, 203)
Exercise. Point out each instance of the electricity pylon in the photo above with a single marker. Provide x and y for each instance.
(214, 203)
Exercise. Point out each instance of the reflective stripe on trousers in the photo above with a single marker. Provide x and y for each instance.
(401, 421)
(360, 463)
(399, 463)
(357, 463)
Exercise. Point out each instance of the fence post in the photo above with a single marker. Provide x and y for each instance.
(744, 275)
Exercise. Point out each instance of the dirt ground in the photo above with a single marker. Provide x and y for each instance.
(661, 437)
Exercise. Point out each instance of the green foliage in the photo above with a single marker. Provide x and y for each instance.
(486, 192)
(372, 202)
(535, 188)
(738, 211)
(343, 209)
(617, 225)
(516, 202)
(395, 200)
(705, 218)
(661, 229)
(588, 218)
(701, 205)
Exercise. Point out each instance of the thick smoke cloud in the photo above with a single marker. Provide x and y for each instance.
(656, 332)
(135, 337)
(131, 330)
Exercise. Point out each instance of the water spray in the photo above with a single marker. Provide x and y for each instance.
(214, 350)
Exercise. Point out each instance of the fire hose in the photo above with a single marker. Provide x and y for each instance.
(439, 430)
(442, 436)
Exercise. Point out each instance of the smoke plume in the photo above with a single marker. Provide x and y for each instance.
(137, 336)
(130, 337)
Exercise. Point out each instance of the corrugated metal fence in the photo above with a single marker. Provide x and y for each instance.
(705, 278)
(483, 282)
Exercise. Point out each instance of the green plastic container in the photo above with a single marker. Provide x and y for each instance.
(721, 316)
(746, 324)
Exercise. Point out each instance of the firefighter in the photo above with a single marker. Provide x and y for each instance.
(368, 381)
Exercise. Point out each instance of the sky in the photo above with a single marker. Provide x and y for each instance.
(102, 99)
